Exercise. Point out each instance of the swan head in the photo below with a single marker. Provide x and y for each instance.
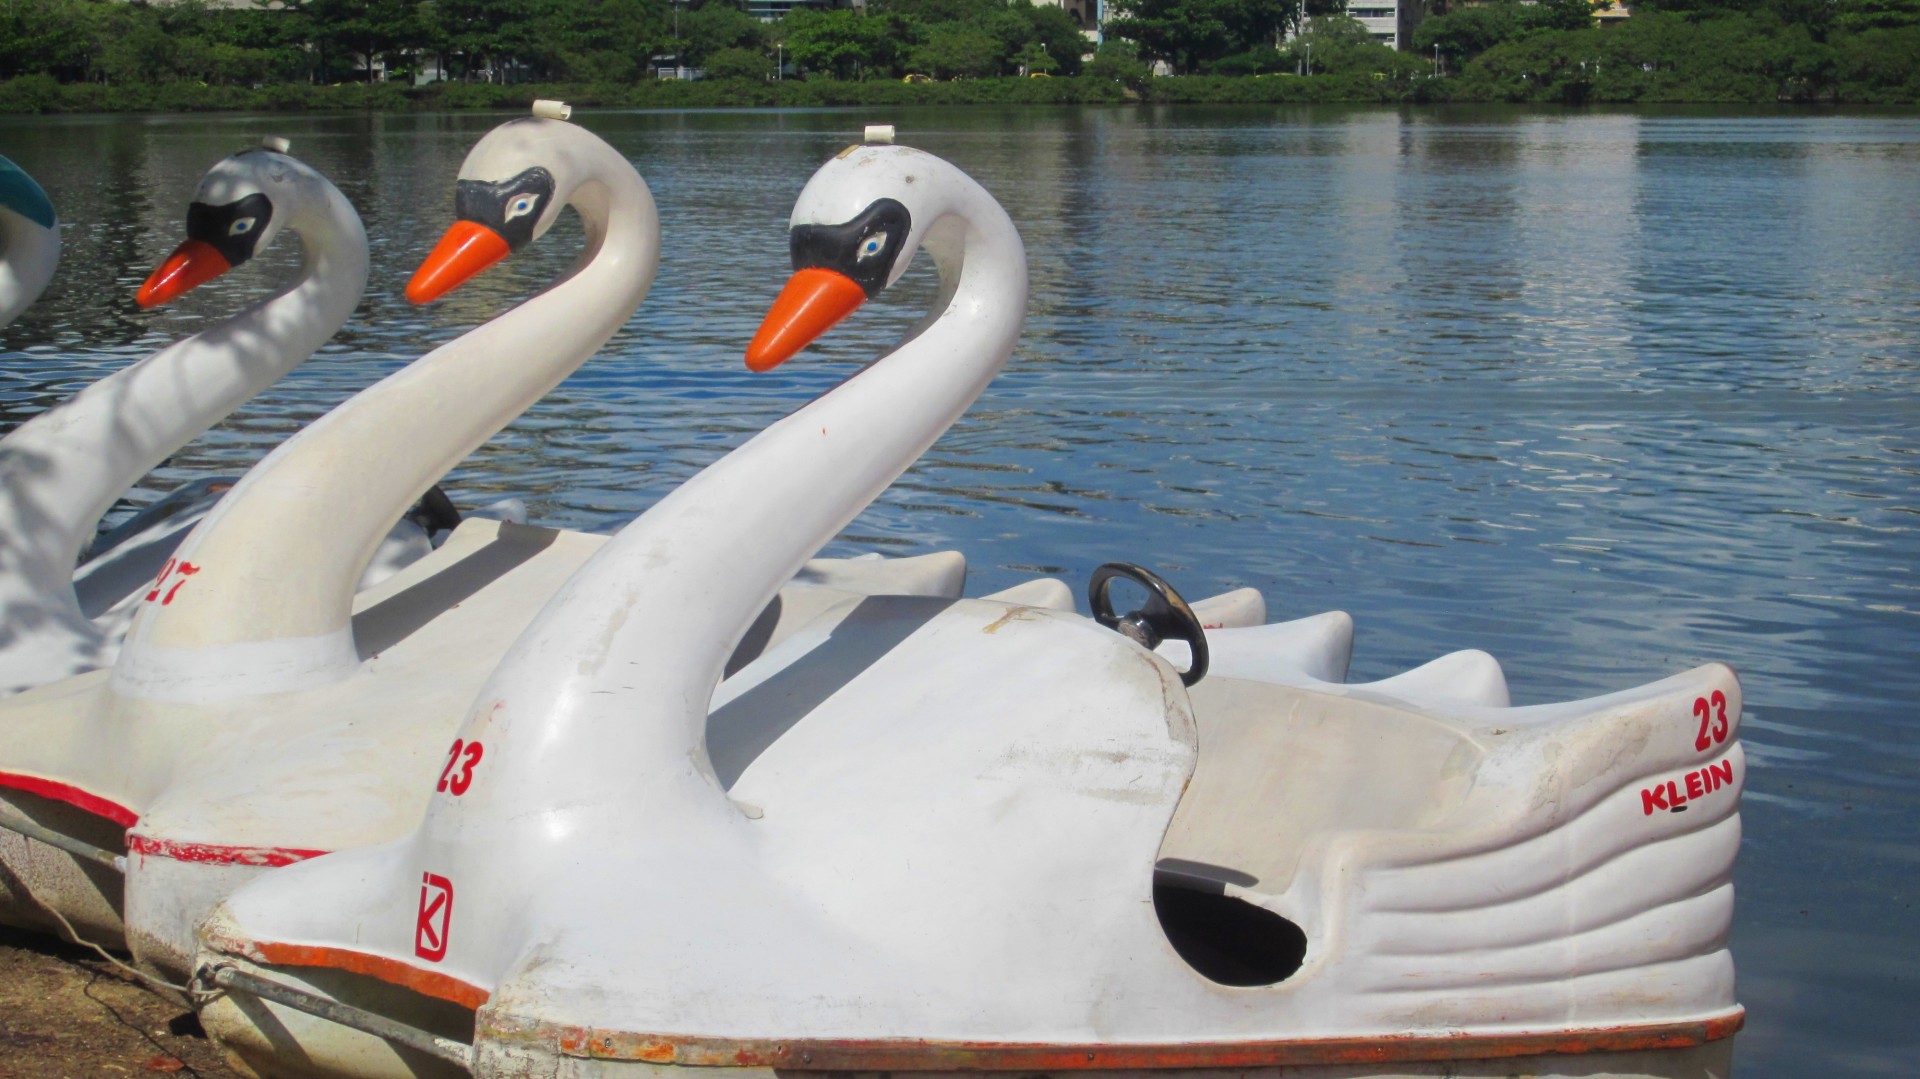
(510, 191)
(855, 230)
(21, 195)
(242, 203)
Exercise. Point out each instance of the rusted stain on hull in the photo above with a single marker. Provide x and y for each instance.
(883, 1055)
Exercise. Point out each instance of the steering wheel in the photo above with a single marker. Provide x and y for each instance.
(1166, 617)
(435, 512)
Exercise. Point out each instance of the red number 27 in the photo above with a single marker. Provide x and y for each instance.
(458, 782)
(1710, 710)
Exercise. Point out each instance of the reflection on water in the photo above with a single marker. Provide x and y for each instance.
(1607, 394)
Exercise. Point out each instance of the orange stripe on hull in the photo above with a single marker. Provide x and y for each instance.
(72, 795)
(392, 971)
(928, 1056)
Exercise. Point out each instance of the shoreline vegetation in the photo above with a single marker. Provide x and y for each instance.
(96, 56)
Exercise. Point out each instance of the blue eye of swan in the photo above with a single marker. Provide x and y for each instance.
(872, 246)
(240, 227)
(521, 206)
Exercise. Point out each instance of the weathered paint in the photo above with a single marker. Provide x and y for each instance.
(392, 971)
(215, 853)
(880, 1055)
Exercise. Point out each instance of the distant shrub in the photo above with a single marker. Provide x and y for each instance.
(32, 93)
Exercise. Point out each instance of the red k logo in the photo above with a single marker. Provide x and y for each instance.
(436, 913)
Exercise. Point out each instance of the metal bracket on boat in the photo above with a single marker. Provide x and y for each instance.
(22, 826)
(1166, 617)
(226, 976)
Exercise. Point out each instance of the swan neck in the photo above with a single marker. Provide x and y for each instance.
(64, 469)
(278, 561)
(620, 666)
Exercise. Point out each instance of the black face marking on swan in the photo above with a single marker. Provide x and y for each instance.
(232, 228)
(509, 207)
(863, 248)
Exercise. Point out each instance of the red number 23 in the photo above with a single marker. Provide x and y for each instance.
(1714, 710)
(458, 782)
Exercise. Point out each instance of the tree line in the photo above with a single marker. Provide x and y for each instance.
(1496, 50)
(588, 41)
(1679, 50)
(613, 41)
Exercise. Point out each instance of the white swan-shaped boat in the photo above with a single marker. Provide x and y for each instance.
(949, 837)
(29, 241)
(261, 713)
(63, 469)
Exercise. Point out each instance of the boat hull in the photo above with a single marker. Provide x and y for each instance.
(1700, 1062)
(272, 1039)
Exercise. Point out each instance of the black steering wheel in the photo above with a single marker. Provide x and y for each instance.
(1166, 617)
(435, 512)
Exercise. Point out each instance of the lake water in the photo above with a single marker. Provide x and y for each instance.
(1607, 394)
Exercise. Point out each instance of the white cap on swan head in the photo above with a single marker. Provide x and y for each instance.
(277, 144)
(878, 133)
(552, 110)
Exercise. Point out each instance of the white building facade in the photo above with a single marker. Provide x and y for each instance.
(1380, 17)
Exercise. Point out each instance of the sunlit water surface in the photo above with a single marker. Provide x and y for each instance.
(1606, 394)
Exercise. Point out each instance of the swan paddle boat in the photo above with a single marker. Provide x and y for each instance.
(29, 241)
(944, 836)
(262, 713)
(63, 469)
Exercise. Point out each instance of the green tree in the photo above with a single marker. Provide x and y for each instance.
(1259, 60)
(1055, 33)
(1342, 45)
(1564, 14)
(354, 35)
(140, 52)
(718, 25)
(1466, 32)
(53, 37)
(494, 38)
(1190, 33)
(606, 40)
(1034, 60)
(843, 43)
(952, 51)
(737, 63)
(1119, 61)
(1858, 15)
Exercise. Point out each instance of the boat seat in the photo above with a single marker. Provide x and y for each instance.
(1238, 608)
(1283, 767)
(1305, 651)
(1280, 767)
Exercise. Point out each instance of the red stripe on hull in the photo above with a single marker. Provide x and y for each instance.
(217, 854)
(72, 795)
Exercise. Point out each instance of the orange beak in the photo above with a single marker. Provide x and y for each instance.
(465, 250)
(812, 302)
(192, 264)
